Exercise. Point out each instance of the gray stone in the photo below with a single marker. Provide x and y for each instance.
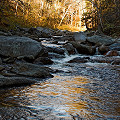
(40, 29)
(34, 31)
(83, 49)
(31, 70)
(96, 39)
(78, 60)
(115, 46)
(43, 60)
(5, 34)
(15, 46)
(0, 61)
(8, 81)
(2, 68)
(70, 49)
(55, 55)
(46, 33)
(112, 53)
(55, 49)
(103, 49)
(80, 36)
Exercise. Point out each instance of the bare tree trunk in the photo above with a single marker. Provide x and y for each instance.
(99, 15)
(16, 7)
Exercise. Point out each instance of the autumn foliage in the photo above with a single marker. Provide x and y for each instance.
(63, 14)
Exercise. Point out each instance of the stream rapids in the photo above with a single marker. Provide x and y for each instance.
(81, 91)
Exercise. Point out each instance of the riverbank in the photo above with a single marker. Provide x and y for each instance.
(72, 75)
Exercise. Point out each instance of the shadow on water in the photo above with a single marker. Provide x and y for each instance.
(67, 97)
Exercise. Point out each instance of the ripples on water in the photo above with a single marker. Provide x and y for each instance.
(64, 97)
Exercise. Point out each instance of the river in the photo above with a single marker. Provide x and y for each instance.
(79, 91)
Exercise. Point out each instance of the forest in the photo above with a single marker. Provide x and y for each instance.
(73, 15)
(59, 59)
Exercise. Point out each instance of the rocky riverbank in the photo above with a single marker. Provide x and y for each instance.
(23, 53)
(72, 75)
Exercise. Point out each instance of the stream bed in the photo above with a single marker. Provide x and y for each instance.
(87, 91)
(79, 91)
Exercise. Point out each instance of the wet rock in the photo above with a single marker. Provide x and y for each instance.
(57, 50)
(5, 34)
(24, 29)
(8, 60)
(55, 55)
(46, 33)
(96, 39)
(70, 49)
(44, 52)
(34, 31)
(90, 33)
(112, 53)
(9, 81)
(103, 49)
(83, 49)
(62, 42)
(31, 70)
(54, 42)
(62, 33)
(115, 46)
(7, 73)
(104, 59)
(44, 60)
(15, 46)
(34, 37)
(40, 29)
(0, 61)
(80, 36)
(29, 58)
(78, 60)
(63, 38)
(2, 68)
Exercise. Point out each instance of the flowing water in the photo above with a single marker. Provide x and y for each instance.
(79, 92)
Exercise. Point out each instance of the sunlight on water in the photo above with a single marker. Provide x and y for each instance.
(63, 96)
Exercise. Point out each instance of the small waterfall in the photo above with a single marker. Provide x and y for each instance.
(97, 51)
(76, 52)
(66, 53)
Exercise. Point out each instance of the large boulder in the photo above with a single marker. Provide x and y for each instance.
(10, 81)
(14, 46)
(80, 36)
(96, 39)
(83, 49)
(31, 70)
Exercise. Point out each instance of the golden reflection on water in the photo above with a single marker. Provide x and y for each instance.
(68, 93)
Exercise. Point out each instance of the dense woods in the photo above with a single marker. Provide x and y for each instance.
(103, 15)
